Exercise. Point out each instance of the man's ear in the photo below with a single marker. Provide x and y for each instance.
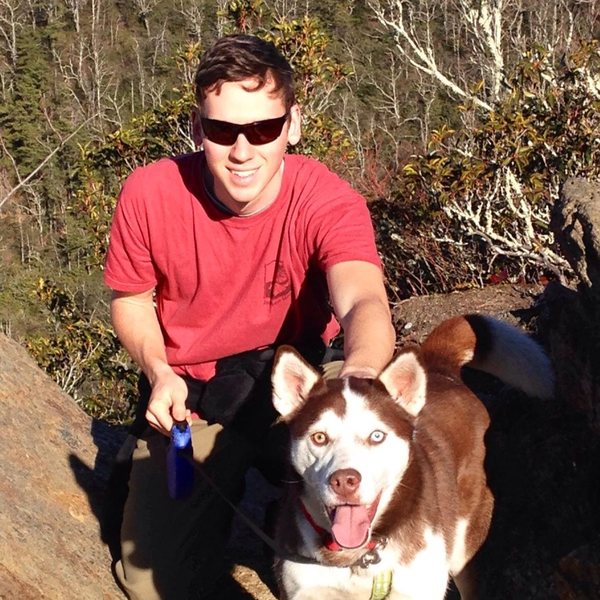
(295, 127)
(196, 127)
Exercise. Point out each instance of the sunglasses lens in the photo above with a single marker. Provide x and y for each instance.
(264, 132)
(220, 132)
(226, 134)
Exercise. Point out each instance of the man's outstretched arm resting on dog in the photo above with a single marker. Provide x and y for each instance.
(360, 304)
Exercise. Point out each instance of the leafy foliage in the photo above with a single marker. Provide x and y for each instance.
(22, 119)
(156, 133)
(485, 192)
(84, 356)
(305, 43)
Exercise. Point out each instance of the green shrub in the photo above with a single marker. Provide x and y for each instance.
(82, 354)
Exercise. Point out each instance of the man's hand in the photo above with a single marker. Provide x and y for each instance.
(167, 401)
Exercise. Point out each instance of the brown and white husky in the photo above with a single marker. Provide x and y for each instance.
(389, 495)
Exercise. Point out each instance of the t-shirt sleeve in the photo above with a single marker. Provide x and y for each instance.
(340, 225)
(128, 266)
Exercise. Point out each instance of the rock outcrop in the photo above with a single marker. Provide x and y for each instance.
(543, 458)
(51, 473)
(574, 316)
(576, 225)
(57, 528)
(572, 326)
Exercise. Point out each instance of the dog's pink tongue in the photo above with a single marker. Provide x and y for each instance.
(350, 526)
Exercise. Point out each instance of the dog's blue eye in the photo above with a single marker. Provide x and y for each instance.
(319, 438)
(377, 437)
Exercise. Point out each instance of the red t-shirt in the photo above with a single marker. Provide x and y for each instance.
(224, 283)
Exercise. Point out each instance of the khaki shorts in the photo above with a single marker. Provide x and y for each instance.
(173, 549)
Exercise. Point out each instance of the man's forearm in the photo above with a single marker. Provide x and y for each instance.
(369, 338)
(358, 297)
(136, 325)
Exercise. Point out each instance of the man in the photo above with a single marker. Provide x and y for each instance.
(215, 259)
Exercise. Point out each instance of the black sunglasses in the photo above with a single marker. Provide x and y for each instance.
(257, 133)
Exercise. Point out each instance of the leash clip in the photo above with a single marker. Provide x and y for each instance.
(372, 557)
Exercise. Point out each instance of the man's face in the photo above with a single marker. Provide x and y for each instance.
(246, 177)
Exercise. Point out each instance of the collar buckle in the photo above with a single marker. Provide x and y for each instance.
(372, 557)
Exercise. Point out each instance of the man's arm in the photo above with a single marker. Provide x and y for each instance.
(136, 325)
(360, 303)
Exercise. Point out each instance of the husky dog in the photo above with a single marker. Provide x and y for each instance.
(388, 496)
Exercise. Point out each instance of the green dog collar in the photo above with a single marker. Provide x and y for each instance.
(382, 585)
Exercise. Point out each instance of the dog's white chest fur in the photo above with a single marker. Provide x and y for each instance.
(423, 578)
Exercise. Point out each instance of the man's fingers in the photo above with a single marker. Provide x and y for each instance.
(179, 411)
(167, 403)
(160, 420)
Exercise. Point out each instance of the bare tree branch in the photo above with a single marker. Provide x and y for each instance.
(26, 180)
(399, 17)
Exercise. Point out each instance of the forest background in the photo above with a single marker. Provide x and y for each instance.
(459, 121)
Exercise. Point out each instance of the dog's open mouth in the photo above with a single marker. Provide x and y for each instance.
(351, 523)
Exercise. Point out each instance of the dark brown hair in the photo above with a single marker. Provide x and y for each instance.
(239, 57)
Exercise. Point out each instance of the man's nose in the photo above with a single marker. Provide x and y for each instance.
(242, 150)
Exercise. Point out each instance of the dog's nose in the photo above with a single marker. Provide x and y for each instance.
(345, 482)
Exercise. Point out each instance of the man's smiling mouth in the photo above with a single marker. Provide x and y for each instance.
(243, 174)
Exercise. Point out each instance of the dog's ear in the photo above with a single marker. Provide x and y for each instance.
(292, 380)
(406, 382)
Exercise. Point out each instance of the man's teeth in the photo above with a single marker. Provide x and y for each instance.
(244, 174)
